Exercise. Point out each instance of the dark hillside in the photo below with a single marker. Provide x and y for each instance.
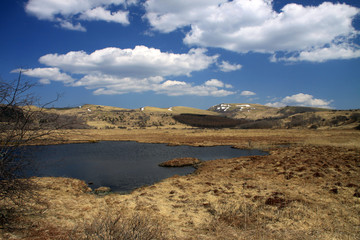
(207, 121)
(10, 114)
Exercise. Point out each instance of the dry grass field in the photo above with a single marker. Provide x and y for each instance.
(308, 187)
(241, 138)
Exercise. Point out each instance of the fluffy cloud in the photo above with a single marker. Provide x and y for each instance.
(67, 12)
(139, 62)
(228, 67)
(254, 26)
(100, 13)
(118, 71)
(301, 99)
(71, 26)
(47, 75)
(343, 51)
(247, 93)
(217, 83)
(214, 83)
(176, 88)
(167, 16)
(111, 85)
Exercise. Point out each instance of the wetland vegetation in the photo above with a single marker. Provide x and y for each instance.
(306, 190)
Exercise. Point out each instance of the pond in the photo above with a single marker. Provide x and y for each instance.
(122, 166)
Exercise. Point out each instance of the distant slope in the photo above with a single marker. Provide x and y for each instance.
(264, 117)
(245, 110)
(245, 116)
(178, 110)
(105, 117)
(86, 109)
(324, 119)
(208, 121)
(291, 110)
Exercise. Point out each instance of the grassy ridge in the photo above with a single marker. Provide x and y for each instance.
(254, 116)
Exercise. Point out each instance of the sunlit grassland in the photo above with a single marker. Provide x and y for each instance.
(305, 189)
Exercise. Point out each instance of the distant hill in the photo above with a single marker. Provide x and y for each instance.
(177, 110)
(235, 115)
(291, 110)
(245, 110)
(289, 116)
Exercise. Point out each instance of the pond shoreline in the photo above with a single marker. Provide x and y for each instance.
(125, 165)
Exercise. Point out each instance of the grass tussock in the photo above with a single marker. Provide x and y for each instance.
(115, 226)
(237, 221)
(293, 219)
(243, 217)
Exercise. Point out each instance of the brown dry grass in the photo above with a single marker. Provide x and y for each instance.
(305, 191)
(241, 138)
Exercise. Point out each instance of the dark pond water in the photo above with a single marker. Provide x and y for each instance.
(123, 166)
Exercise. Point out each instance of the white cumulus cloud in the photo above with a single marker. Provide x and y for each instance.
(228, 67)
(100, 13)
(119, 71)
(167, 16)
(247, 93)
(214, 83)
(69, 13)
(71, 26)
(301, 99)
(176, 88)
(112, 85)
(333, 52)
(47, 75)
(254, 26)
(138, 62)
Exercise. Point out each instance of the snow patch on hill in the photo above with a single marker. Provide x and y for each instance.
(224, 107)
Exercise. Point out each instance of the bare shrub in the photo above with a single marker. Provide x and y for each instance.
(57, 121)
(355, 117)
(296, 121)
(338, 120)
(113, 226)
(19, 126)
(304, 121)
(14, 132)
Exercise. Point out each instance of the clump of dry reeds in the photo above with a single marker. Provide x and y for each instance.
(230, 221)
(111, 226)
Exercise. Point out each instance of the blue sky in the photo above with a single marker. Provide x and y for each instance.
(198, 53)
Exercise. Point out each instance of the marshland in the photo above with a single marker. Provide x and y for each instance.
(306, 187)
